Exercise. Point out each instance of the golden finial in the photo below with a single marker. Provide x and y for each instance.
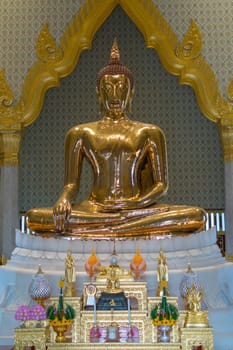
(115, 53)
(61, 282)
(189, 268)
(39, 272)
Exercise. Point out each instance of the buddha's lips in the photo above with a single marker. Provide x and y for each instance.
(115, 103)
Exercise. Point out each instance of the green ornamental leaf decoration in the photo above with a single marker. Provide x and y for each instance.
(51, 312)
(59, 312)
(164, 310)
(69, 312)
(154, 312)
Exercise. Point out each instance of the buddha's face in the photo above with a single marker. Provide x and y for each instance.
(115, 93)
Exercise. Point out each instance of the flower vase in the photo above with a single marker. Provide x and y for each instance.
(60, 327)
(164, 333)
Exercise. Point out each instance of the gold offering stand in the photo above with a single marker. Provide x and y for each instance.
(181, 337)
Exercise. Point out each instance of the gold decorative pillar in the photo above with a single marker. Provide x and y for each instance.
(9, 207)
(10, 140)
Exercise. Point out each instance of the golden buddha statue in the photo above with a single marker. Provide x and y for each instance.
(162, 275)
(129, 163)
(114, 269)
(113, 283)
(195, 317)
(70, 275)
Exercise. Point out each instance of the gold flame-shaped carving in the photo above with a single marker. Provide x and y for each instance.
(46, 47)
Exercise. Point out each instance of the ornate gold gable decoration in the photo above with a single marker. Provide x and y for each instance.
(183, 59)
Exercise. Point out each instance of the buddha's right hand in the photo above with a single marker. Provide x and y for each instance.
(61, 213)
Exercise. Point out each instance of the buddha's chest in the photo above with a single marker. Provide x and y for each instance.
(115, 140)
(115, 145)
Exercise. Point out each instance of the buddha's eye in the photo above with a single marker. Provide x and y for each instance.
(108, 88)
(121, 89)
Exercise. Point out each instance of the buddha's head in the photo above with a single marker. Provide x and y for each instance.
(115, 85)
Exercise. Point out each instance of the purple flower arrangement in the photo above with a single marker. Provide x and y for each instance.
(22, 313)
(25, 313)
(38, 313)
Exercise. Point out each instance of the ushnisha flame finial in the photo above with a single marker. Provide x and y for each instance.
(115, 53)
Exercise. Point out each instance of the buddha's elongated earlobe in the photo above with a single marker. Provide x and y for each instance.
(129, 107)
(100, 102)
(101, 108)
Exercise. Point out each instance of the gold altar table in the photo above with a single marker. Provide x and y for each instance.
(110, 346)
(78, 338)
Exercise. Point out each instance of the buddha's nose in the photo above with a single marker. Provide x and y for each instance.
(114, 92)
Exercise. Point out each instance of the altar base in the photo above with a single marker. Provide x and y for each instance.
(200, 249)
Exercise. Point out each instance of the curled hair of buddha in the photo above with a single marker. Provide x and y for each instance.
(114, 67)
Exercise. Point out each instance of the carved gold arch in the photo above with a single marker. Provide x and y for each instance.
(183, 59)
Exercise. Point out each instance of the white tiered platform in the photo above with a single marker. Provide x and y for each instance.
(200, 249)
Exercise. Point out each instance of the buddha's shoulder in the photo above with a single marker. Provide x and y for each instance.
(147, 127)
(82, 128)
(137, 126)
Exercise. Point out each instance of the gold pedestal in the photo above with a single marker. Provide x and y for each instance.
(28, 337)
(197, 319)
(191, 337)
(70, 290)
